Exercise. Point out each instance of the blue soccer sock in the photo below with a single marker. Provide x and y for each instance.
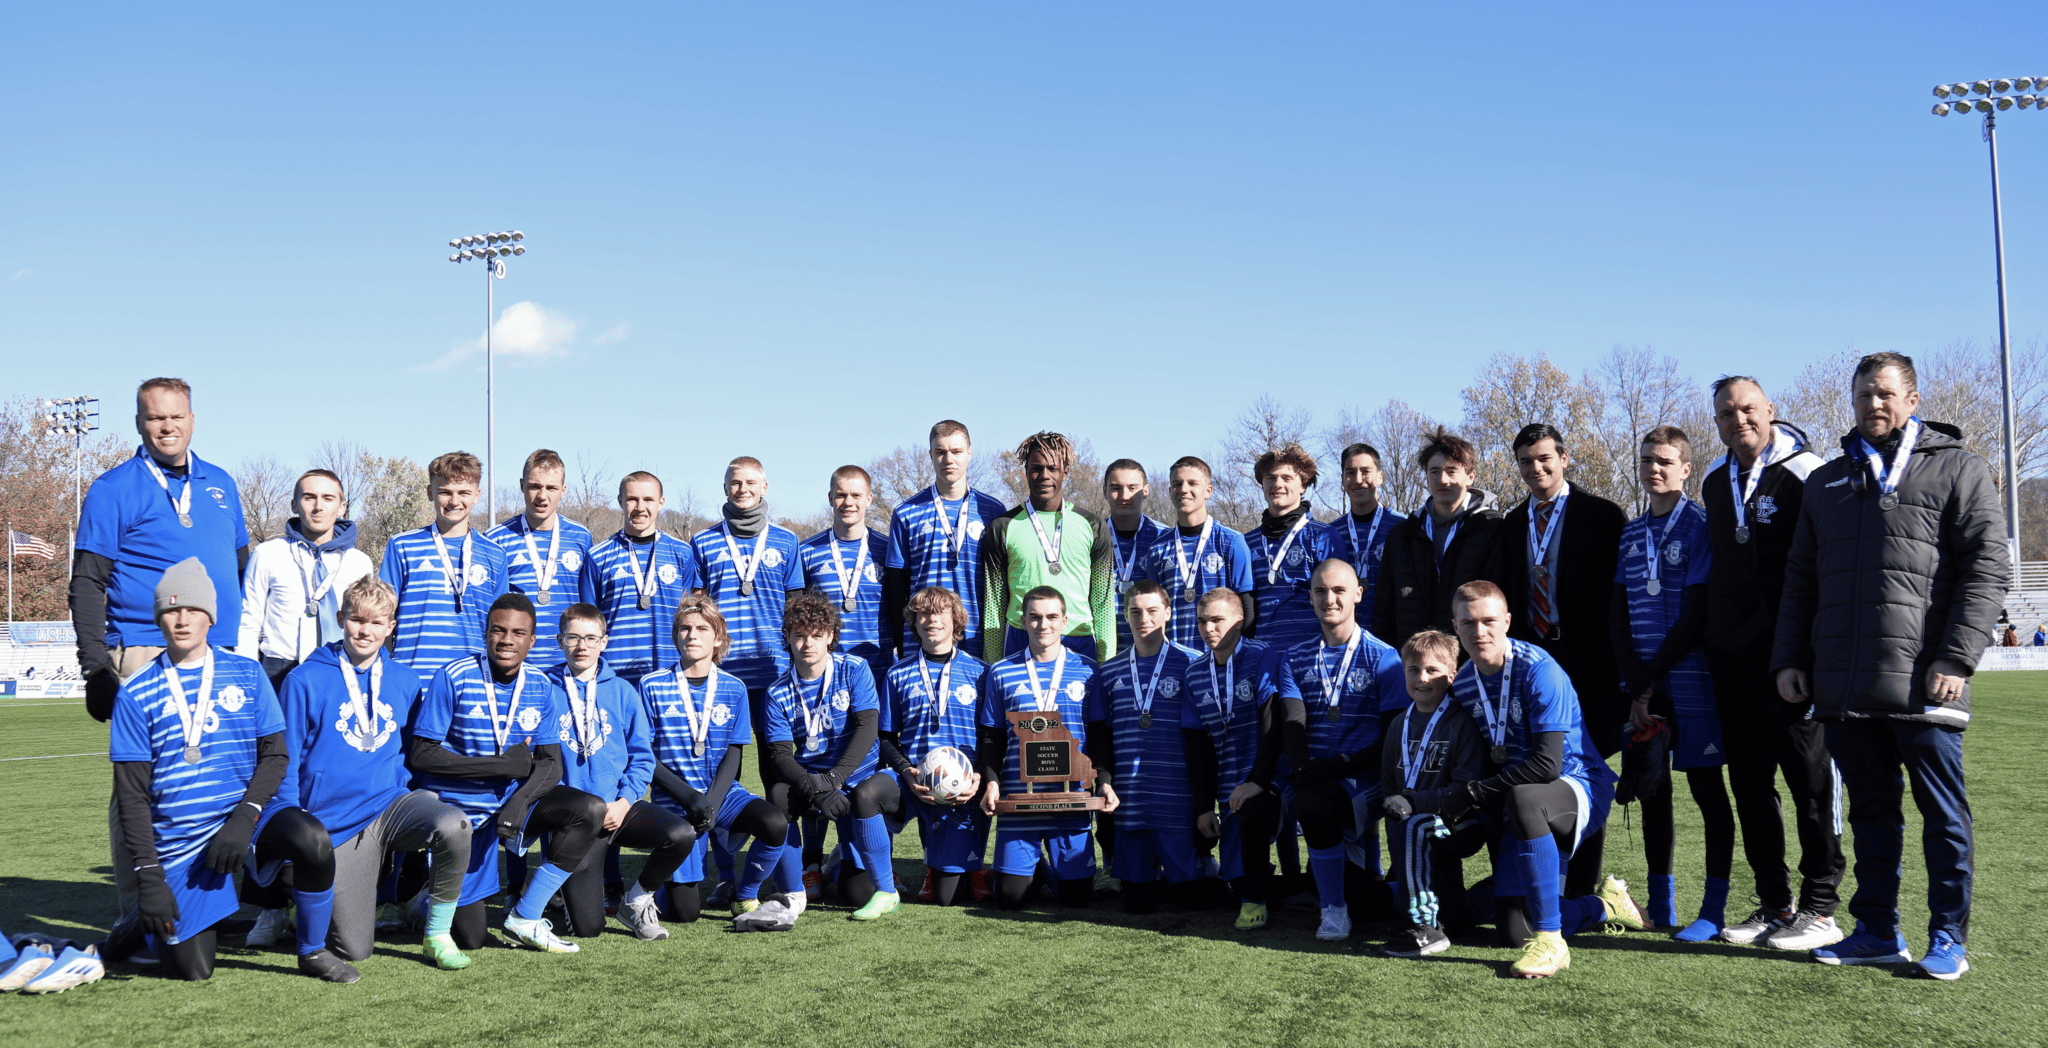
(1663, 900)
(440, 917)
(721, 855)
(7, 950)
(789, 868)
(762, 858)
(545, 882)
(871, 841)
(1714, 900)
(1327, 865)
(1537, 862)
(316, 913)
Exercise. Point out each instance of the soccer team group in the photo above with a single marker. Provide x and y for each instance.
(293, 729)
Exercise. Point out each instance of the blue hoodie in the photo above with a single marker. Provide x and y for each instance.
(619, 762)
(344, 537)
(343, 776)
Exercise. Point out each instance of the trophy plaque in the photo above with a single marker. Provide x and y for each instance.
(1047, 753)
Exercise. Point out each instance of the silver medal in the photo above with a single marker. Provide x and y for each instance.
(1888, 501)
(191, 754)
(697, 748)
(1542, 573)
(1742, 533)
(312, 609)
(1053, 567)
(747, 588)
(1145, 721)
(185, 519)
(1336, 714)
(1654, 587)
(849, 603)
(544, 597)
(646, 602)
(1499, 754)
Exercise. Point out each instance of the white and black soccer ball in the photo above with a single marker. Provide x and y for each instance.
(945, 772)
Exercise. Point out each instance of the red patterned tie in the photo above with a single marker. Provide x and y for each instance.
(1540, 589)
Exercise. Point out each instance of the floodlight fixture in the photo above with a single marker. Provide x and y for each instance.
(2004, 102)
(492, 249)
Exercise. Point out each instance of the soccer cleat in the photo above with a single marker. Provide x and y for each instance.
(29, 963)
(1808, 931)
(269, 925)
(441, 950)
(1758, 924)
(614, 899)
(643, 916)
(1698, 931)
(77, 966)
(1251, 916)
(324, 965)
(721, 895)
(1866, 948)
(1545, 956)
(539, 934)
(926, 894)
(740, 906)
(390, 918)
(1336, 924)
(814, 883)
(774, 915)
(1945, 959)
(880, 905)
(1418, 941)
(1621, 909)
(978, 889)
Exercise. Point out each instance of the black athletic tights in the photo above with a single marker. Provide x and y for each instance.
(667, 840)
(1533, 809)
(760, 820)
(292, 835)
(1660, 829)
(575, 819)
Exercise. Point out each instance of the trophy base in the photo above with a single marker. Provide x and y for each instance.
(1047, 803)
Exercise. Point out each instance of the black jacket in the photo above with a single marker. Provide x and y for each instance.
(1584, 591)
(1747, 577)
(1412, 595)
(1873, 596)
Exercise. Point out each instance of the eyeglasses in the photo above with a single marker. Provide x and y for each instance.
(580, 639)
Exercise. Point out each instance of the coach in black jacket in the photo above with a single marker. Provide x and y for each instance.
(1444, 544)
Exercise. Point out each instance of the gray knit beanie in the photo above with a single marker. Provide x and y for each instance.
(185, 585)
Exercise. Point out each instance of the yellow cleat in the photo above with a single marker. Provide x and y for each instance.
(441, 949)
(1545, 956)
(1251, 916)
(1621, 909)
(740, 906)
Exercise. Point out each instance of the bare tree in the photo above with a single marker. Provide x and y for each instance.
(1644, 391)
(266, 491)
(1395, 431)
(1512, 392)
(1818, 402)
(344, 459)
(394, 500)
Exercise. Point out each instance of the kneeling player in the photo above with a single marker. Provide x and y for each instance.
(930, 700)
(198, 749)
(611, 756)
(823, 724)
(1231, 727)
(1431, 750)
(1046, 676)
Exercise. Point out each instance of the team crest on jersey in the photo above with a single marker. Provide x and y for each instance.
(231, 698)
(869, 573)
(1244, 691)
(842, 699)
(1075, 690)
(528, 718)
(721, 714)
(771, 557)
(1212, 562)
(1359, 679)
(220, 498)
(479, 574)
(973, 529)
(567, 724)
(1674, 553)
(1296, 556)
(667, 574)
(1168, 688)
(572, 560)
(964, 694)
(1766, 508)
(382, 727)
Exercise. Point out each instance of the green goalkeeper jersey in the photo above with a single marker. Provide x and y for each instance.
(1013, 563)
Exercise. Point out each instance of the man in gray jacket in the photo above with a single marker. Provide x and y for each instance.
(1893, 583)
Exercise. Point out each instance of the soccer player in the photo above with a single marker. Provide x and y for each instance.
(609, 754)
(487, 739)
(1047, 675)
(291, 592)
(1444, 544)
(198, 749)
(1335, 691)
(1431, 750)
(935, 537)
(700, 725)
(1286, 547)
(751, 567)
(1047, 543)
(1362, 537)
(1140, 739)
(930, 700)
(823, 724)
(1196, 556)
(446, 578)
(1125, 487)
(1545, 785)
(545, 551)
(845, 563)
(638, 578)
(1231, 727)
(1660, 606)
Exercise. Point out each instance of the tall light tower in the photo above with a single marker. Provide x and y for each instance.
(1994, 97)
(75, 417)
(492, 249)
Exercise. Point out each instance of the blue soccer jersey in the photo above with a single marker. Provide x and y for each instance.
(618, 572)
(1530, 697)
(1192, 561)
(133, 521)
(347, 750)
(1344, 702)
(473, 715)
(441, 608)
(1225, 702)
(922, 724)
(752, 619)
(694, 724)
(816, 716)
(1142, 699)
(1066, 684)
(1280, 583)
(556, 556)
(939, 543)
(607, 750)
(190, 802)
(1676, 547)
(1127, 559)
(1360, 543)
(860, 627)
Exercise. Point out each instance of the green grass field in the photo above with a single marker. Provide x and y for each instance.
(1040, 978)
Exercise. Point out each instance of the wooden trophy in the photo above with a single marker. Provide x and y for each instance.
(1047, 753)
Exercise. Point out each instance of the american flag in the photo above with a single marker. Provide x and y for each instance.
(23, 544)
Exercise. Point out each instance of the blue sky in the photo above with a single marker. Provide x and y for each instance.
(804, 232)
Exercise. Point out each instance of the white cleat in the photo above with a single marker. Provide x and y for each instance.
(1336, 925)
(539, 934)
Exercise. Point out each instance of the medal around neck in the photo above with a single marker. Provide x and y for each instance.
(1048, 755)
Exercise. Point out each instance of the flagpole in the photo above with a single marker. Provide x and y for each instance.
(10, 582)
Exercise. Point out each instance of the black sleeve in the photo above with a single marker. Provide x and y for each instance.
(989, 744)
(672, 784)
(429, 757)
(781, 758)
(1294, 730)
(1266, 761)
(722, 779)
(90, 574)
(547, 774)
(1685, 633)
(895, 597)
(1365, 764)
(241, 565)
(1383, 591)
(1635, 677)
(1544, 761)
(891, 744)
(271, 764)
(132, 783)
(1390, 763)
(1467, 762)
(1202, 770)
(857, 745)
(1101, 745)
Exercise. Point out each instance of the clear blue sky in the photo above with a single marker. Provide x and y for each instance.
(804, 232)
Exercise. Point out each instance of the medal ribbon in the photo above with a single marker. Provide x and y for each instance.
(956, 535)
(546, 577)
(501, 729)
(1059, 524)
(1276, 560)
(1745, 491)
(192, 717)
(944, 691)
(1228, 695)
(1333, 693)
(1411, 753)
(647, 584)
(363, 707)
(815, 717)
(849, 585)
(1655, 542)
(183, 502)
(1429, 529)
(1145, 694)
(699, 725)
(1126, 565)
(583, 714)
(1888, 483)
(746, 566)
(1191, 568)
(1047, 701)
(1351, 528)
(457, 582)
(1544, 546)
(1497, 720)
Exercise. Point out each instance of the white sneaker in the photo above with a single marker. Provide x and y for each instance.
(1336, 924)
(270, 924)
(73, 967)
(539, 934)
(639, 912)
(1808, 931)
(1758, 924)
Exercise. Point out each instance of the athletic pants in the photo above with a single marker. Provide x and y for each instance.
(1870, 752)
(418, 821)
(667, 839)
(1764, 735)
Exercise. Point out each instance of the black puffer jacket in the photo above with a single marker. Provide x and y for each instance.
(1412, 595)
(1873, 596)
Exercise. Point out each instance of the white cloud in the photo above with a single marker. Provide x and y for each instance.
(526, 332)
(24, 274)
(617, 333)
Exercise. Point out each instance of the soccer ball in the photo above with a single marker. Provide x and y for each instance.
(945, 772)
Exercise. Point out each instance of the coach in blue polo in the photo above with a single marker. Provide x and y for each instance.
(139, 518)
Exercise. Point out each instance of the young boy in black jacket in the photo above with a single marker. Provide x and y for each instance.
(1431, 748)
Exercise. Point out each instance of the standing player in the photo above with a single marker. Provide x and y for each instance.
(1046, 676)
(1048, 544)
(1431, 750)
(751, 567)
(1360, 538)
(1195, 556)
(445, 576)
(545, 551)
(935, 537)
(930, 700)
(1286, 547)
(1444, 544)
(1124, 487)
(291, 594)
(845, 563)
(1231, 727)
(1660, 606)
(1335, 691)
(1140, 738)
(638, 578)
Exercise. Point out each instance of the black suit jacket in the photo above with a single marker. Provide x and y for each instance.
(1583, 587)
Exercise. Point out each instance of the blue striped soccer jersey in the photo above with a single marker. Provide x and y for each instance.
(750, 578)
(441, 605)
(1066, 683)
(1142, 697)
(1281, 568)
(828, 566)
(939, 543)
(816, 716)
(617, 574)
(921, 724)
(1225, 701)
(1660, 558)
(1127, 559)
(473, 715)
(692, 725)
(1360, 543)
(1532, 696)
(1346, 688)
(1192, 561)
(556, 555)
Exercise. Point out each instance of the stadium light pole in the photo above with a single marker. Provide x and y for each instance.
(492, 249)
(75, 417)
(1991, 98)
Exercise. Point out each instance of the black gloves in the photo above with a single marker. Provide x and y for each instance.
(230, 846)
(832, 804)
(1457, 801)
(158, 908)
(699, 809)
(518, 759)
(1397, 807)
(101, 686)
(816, 785)
(1317, 770)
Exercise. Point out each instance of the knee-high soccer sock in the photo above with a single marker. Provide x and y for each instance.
(789, 867)
(1714, 900)
(1327, 864)
(440, 917)
(540, 887)
(1663, 900)
(721, 854)
(871, 838)
(1580, 913)
(762, 858)
(1538, 862)
(316, 913)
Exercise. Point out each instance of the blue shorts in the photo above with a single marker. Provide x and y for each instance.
(1141, 855)
(692, 869)
(1072, 852)
(1696, 743)
(1015, 641)
(955, 836)
(481, 881)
